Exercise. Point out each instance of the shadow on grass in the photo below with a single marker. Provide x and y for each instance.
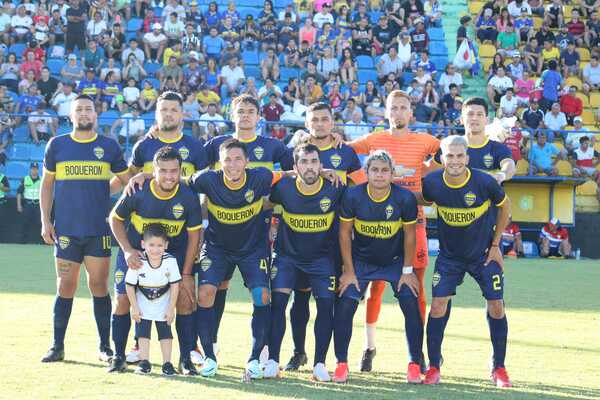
(372, 386)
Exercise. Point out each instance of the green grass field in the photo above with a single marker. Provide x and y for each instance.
(553, 353)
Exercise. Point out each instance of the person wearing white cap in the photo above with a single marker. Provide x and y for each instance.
(554, 240)
(579, 131)
(154, 43)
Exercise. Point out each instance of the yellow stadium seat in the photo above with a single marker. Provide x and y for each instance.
(567, 10)
(595, 100)
(486, 63)
(589, 188)
(559, 145)
(582, 65)
(475, 7)
(537, 23)
(597, 146)
(584, 99)
(574, 81)
(584, 54)
(564, 168)
(522, 167)
(588, 117)
(487, 50)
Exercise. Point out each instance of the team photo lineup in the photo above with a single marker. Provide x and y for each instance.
(300, 222)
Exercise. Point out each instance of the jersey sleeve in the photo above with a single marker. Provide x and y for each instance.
(502, 153)
(495, 191)
(287, 161)
(347, 211)
(275, 196)
(137, 155)
(211, 151)
(355, 164)
(433, 144)
(409, 209)
(124, 207)
(131, 277)
(199, 181)
(266, 179)
(118, 165)
(194, 216)
(49, 158)
(361, 145)
(201, 160)
(427, 190)
(437, 158)
(173, 270)
(279, 152)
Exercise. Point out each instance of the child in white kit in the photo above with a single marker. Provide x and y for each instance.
(152, 291)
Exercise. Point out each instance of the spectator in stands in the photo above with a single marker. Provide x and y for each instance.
(130, 126)
(267, 90)
(212, 45)
(41, 125)
(555, 120)
(211, 75)
(173, 50)
(486, 27)
(388, 64)
(351, 108)
(31, 64)
(433, 13)
(6, 101)
(308, 33)
(75, 33)
(516, 68)
(5, 21)
(508, 41)
(28, 81)
(524, 26)
(405, 49)
(132, 49)
(47, 85)
(112, 96)
(497, 86)
(34, 47)
(533, 117)
(154, 43)
(206, 96)
(6, 132)
(541, 155)
(111, 67)
(554, 15)
(233, 76)
(452, 116)
(61, 102)
(57, 27)
(29, 100)
(356, 126)
(585, 159)
(93, 57)
(270, 65)
(323, 16)
(173, 6)
(148, 97)
(21, 25)
(512, 243)
(9, 73)
(419, 37)
(268, 33)
(91, 86)
(569, 59)
(429, 103)
(96, 27)
(592, 29)
(289, 9)
(273, 110)
(503, 20)
(209, 117)
(497, 62)
(383, 36)
(552, 82)
(461, 33)
(549, 53)
(426, 63)
(449, 77)
(375, 111)
(576, 27)
(531, 53)
(174, 27)
(554, 240)
(591, 76)
(563, 38)
(579, 131)
(571, 105)
(134, 68)
(288, 32)
(362, 37)
(514, 141)
(230, 33)
(172, 71)
(508, 104)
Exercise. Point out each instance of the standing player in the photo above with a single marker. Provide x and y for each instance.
(162, 200)
(469, 233)
(78, 168)
(409, 150)
(377, 241)
(235, 236)
(306, 235)
(344, 161)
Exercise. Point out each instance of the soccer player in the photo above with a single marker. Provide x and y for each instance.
(77, 171)
(344, 161)
(409, 150)
(235, 236)
(152, 291)
(469, 231)
(377, 241)
(163, 200)
(306, 235)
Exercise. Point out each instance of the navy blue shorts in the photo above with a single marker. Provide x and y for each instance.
(366, 273)
(217, 266)
(286, 273)
(75, 248)
(121, 270)
(143, 329)
(449, 274)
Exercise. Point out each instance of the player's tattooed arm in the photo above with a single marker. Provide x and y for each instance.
(132, 256)
(46, 201)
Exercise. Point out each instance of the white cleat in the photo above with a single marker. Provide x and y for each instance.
(271, 369)
(253, 370)
(133, 356)
(196, 357)
(320, 373)
(264, 356)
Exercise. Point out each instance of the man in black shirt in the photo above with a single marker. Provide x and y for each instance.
(76, 17)
(544, 34)
(47, 85)
(533, 117)
(383, 36)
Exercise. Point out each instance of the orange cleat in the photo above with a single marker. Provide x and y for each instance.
(341, 373)
(432, 377)
(500, 378)
(413, 374)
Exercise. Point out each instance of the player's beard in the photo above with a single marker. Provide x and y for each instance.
(398, 125)
(167, 188)
(168, 128)
(84, 127)
(310, 177)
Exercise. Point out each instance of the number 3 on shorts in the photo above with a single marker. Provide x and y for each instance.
(332, 286)
(496, 282)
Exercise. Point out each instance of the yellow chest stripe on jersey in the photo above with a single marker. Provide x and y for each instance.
(234, 216)
(173, 227)
(377, 229)
(83, 170)
(251, 164)
(462, 216)
(306, 223)
(187, 168)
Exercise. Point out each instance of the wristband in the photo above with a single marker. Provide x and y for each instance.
(407, 270)
(495, 245)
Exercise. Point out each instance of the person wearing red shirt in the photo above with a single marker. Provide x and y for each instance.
(554, 240)
(512, 244)
(272, 111)
(38, 52)
(514, 141)
(571, 105)
(576, 27)
(31, 65)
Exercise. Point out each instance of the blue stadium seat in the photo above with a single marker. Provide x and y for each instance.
(436, 34)
(250, 57)
(17, 169)
(152, 68)
(374, 16)
(21, 133)
(281, 3)
(287, 73)
(63, 129)
(249, 3)
(19, 151)
(107, 118)
(18, 49)
(134, 24)
(37, 152)
(55, 65)
(51, 51)
(365, 76)
(438, 49)
(407, 76)
(130, 35)
(252, 71)
(244, 11)
(149, 117)
(158, 11)
(155, 82)
(439, 62)
(14, 185)
(364, 62)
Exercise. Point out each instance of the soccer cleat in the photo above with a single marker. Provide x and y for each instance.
(320, 373)
(512, 253)
(500, 378)
(253, 370)
(187, 367)
(117, 364)
(209, 368)
(106, 354)
(366, 363)
(264, 356)
(54, 354)
(297, 360)
(413, 374)
(133, 356)
(196, 356)
(271, 369)
(168, 369)
(432, 377)
(341, 373)
(144, 367)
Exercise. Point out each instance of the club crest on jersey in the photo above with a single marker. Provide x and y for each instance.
(488, 160)
(389, 210)
(249, 196)
(119, 276)
(259, 152)
(63, 242)
(178, 210)
(470, 198)
(99, 152)
(336, 160)
(205, 264)
(184, 153)
(436, 279)
(325, 203)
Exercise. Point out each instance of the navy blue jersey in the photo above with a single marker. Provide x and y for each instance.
(82, 172)
(262, 151)
(466, 216)
(343, 160)
(307, 230)
(378, 235)
(191, 150)
(235, 219)
(486, 157)
(178, 213)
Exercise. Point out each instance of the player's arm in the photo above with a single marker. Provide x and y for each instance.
(117, 226)
(345, 237)
(46, 201)
(136, 314)
(20, 192)
(116, 185)
(507, 170)
(191, 249)
(494, 253)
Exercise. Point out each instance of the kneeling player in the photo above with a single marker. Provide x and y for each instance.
(152, 291)
(470, 229)
(305, 237)
(377, 241)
